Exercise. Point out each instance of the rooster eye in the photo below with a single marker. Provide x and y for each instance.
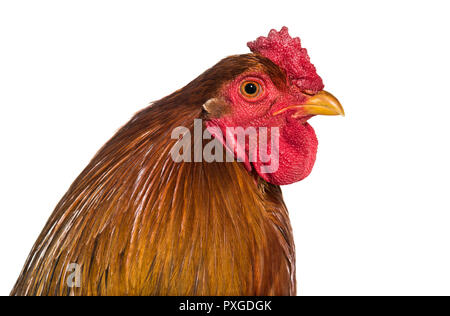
(250, 89)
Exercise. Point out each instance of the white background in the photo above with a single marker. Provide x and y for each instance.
(372, 218)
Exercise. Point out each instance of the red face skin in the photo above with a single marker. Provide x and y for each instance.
(297, 140)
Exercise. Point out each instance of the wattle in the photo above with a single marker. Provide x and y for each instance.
(297, 154)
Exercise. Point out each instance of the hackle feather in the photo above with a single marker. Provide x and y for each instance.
(138, 223)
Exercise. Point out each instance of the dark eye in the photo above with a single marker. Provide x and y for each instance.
(250, 89)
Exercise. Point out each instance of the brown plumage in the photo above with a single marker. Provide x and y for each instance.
(139, 223)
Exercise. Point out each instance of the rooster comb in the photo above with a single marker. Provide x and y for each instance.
(288, 54)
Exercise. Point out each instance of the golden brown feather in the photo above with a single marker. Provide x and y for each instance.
(140, 224)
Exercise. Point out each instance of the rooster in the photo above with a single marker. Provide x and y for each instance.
(139, 222)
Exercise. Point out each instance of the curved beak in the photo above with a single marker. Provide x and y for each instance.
(322, 103)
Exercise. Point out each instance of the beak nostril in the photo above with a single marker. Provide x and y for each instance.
(309, 92)
(321, 103)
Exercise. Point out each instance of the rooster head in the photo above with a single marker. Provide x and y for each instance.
(272, 92)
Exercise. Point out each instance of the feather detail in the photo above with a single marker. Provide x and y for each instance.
(138, 223)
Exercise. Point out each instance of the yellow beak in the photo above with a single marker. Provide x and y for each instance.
(322, 103)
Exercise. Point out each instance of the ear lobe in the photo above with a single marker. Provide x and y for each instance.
(235, 150)
(207, 105)
(215, 108)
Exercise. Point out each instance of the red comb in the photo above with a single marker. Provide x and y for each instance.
(287, 53)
